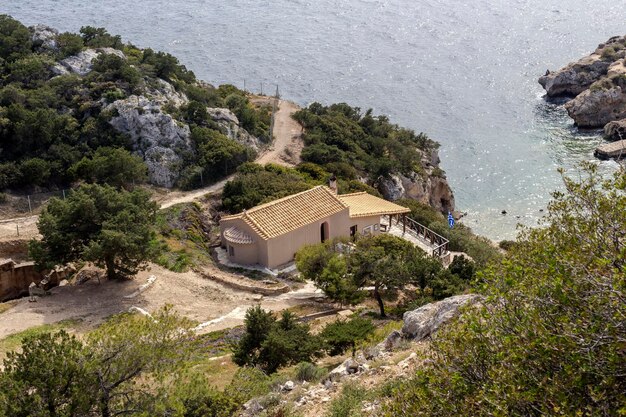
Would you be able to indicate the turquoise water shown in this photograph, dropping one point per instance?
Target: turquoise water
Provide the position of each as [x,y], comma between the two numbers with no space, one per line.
[462,71]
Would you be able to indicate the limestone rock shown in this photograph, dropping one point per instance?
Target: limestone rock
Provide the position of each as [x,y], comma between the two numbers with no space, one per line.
[81,63]
[164,93]
[391,187]
[615,130]
[288,386]
[229,125]
[391,341]
[421,323]
[44,37]
[156,136]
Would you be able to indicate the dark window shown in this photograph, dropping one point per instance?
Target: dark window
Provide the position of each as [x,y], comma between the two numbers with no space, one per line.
[231,250]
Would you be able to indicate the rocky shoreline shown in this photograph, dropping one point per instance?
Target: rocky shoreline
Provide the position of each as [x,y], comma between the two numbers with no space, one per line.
[596,85]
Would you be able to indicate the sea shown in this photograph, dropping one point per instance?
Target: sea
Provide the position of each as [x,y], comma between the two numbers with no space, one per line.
[463,71]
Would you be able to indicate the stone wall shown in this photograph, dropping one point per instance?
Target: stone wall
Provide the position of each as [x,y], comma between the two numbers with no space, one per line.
[15,278]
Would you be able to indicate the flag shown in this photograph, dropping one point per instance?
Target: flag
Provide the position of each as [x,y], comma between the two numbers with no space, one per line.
[450,220]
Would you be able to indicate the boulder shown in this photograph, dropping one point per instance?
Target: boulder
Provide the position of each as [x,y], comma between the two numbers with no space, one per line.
[287,386]
[615,130]
[426,320]
[598,106]
[44,38]
[155,135]
[391,341]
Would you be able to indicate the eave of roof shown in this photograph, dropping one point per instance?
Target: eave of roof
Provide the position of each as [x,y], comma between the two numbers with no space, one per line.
[363,204]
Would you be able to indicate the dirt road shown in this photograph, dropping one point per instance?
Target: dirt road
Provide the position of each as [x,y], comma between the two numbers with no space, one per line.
[211,304]
[287,144]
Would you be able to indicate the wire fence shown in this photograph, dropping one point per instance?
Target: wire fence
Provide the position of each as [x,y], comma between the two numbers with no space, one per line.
[18,213]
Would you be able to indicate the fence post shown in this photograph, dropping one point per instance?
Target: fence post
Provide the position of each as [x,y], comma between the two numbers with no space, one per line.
[30,208]
[64,194]
[17,225]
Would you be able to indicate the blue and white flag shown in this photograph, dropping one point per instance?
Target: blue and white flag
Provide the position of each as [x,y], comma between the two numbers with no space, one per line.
[450,220]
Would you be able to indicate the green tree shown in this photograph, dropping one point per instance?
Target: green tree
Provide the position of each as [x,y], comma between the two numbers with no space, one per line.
[382,262]
[322,264]
[342,335]
[550,338]
[218,154]
[271,344]
[15,39]
[258,323]
[113,166]
[113,229]
[70,44]
[131,354]
[48,377]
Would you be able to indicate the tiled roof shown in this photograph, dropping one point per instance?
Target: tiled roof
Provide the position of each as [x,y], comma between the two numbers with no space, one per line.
[364,204]
[292,212]
[235,235]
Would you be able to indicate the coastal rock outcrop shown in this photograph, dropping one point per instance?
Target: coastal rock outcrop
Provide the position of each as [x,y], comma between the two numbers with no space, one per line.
[428,189]
[44,37]
[575,77]
[598,84]
[81,63]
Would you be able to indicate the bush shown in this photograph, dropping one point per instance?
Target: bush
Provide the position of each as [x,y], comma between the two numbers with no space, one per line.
[248,383]
[342,335]
[112,166]
[306,371]
[348,404]
[272,344]
[70,44]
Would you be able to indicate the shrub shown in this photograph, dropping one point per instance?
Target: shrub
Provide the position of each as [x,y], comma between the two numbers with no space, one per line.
[272,344]
[348,404]
[306,371]
[342,335]
[70,44]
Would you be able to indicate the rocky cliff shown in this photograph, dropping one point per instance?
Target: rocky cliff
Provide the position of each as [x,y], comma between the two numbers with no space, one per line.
[597,85]
[429,187]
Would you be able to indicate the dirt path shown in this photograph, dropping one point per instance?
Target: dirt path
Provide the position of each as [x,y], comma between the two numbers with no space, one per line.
[203,300]
[285,151]
[287,144]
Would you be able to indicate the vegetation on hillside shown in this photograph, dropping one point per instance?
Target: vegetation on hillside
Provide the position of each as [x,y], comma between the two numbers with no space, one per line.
[550,338]
[256,184]
[49,123]
[350,144]
[384,262]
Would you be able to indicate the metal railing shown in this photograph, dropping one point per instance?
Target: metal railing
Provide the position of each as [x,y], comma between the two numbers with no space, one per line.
[419,231]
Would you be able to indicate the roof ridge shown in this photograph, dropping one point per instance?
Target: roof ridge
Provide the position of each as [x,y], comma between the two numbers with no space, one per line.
[274,202]
[352,194]
[256,226]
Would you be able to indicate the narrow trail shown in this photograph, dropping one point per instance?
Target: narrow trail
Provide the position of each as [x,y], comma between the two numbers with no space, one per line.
[287,145]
